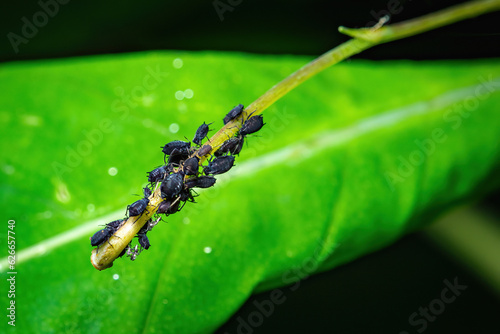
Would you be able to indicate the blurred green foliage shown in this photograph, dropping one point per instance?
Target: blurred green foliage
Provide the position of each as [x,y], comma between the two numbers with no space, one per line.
[316,188]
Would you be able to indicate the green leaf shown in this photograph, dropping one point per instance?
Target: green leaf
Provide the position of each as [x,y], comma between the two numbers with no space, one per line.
[346,164]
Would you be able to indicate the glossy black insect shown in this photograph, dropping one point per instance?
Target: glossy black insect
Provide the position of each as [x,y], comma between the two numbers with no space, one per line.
[141,235]
[251,125]
[201,182]
[219,165]
[101,236]
[201,133]
[172,185]
[186,195]
[235,112]
[176,146]
[164,206]
[190,166]
[204,150]
[157,174]
[176,157]
[232,146]
[138,207]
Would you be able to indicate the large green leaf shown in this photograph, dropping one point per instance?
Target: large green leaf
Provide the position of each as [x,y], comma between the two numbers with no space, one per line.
[346,164]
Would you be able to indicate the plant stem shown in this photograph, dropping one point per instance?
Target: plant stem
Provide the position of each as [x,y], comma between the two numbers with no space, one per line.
[363,39]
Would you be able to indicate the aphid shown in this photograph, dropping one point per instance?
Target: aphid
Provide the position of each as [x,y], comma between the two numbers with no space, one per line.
[235,112]
[101,236]
[141,235]
[138,207]
[157,174]
[251,125]
[186,195]
[164,206]
[204,150]
[115,224]
[191,166]
[176,146]
[232,146]
[201,182]
[177,156]
[171,186]
[144,241]
[201,133]
[219,165]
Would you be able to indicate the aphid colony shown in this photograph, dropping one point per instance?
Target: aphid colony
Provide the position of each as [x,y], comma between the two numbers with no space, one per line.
[179,175]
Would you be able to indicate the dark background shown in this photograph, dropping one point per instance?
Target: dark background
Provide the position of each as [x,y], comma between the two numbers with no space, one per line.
[375,294]
[294,27]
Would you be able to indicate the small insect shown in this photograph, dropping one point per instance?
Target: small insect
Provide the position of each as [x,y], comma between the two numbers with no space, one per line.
[235,112]
[232,146]
[186,195]
[157,174]
[176,146]
[219,165]
[141,235]
[251,125]
[164,206]
[201,182]
[201,133]
[171,186]
[190,166]
[101,236]
[204,150]
[138,207]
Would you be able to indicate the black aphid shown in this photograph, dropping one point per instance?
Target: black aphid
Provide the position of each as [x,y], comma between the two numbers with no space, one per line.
[204,150]
[138,207]
[157,174]
[171,186]
[141,235]
[219,165]
[201,133]
[200,182]
[232,146]
[190,166]
[176,157]
[235,112]
[186,195]
[251,125]
[101,236]
[176,146]
[164,206]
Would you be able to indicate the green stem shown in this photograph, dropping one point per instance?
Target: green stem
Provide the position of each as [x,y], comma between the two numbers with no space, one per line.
[364,38]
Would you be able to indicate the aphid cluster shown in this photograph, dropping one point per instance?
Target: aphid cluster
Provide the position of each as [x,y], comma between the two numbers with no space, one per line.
[179,175]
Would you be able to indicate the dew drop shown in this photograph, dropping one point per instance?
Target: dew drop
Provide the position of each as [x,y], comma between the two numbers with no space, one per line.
[188,93]
[90,207]
[174,128]
[113,171]
[177,63]
[116,277]
[207,250]
[179,95]
[186,220]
